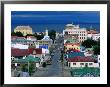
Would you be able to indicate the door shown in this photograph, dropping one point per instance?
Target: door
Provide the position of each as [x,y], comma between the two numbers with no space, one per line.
[86,65]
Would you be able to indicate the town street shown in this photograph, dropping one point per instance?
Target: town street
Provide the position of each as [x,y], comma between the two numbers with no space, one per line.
[56,69]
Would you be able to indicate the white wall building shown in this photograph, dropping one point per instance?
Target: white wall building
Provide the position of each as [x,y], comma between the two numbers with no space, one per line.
[82,62]
[76,30]
[96,36]
[20,46]
[31,38]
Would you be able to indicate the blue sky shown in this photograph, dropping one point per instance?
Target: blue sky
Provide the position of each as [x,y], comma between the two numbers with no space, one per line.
[54,17]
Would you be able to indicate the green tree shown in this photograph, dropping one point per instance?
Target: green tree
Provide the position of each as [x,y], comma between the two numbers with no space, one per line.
[96,49]
[39,37]
[52,34]
[44,64]
[19,34]
[24,68]
[89,43]
[13,33]
[31,68]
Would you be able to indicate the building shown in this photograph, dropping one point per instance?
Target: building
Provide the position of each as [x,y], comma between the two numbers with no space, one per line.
[32,38]
[46,41]
[26,60]
[93,34]
[82,62]
[74,54]
[72,46]
[77,31]
[85,72]
[24,30]
[19,46]
[22,40]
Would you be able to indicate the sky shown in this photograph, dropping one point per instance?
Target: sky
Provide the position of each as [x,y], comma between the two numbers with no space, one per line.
[54,17]
[40,20]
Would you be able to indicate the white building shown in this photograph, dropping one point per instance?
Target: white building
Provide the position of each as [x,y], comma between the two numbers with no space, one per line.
[19,46]
[24,30]
[96,36]
[32,38]
[76,30]
[93,35]
[81,62]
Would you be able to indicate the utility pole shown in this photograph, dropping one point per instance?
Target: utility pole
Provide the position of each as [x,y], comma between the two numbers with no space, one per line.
[28,66]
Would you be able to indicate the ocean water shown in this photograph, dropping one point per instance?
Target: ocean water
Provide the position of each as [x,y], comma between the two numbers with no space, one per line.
[57,27]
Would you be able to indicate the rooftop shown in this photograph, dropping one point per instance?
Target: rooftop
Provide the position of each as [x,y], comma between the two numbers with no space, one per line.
[24,52]
[28,59]
[74,54]
[80,59]
[84,71]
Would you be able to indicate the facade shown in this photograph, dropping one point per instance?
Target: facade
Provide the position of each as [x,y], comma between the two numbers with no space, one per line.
[32,38]
[82,62]
[26,60]
[19,46]
[24,30]
[76,30]
[46,41]
[72,46]
[92,34]
[22,40]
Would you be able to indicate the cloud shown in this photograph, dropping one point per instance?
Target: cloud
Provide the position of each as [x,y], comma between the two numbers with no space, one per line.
[42,16]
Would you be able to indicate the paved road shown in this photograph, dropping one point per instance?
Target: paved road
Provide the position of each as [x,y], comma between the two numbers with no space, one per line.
[55,69]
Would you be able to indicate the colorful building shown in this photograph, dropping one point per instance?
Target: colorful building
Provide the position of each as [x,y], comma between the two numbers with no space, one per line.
[82,62]
[72,46]
[76,30]
[24,30]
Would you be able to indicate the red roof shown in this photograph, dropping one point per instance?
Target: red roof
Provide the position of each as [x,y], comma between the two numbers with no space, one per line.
[31,37]
[81,59]
[92,32]
[19,52]
[25,52]
[35,51]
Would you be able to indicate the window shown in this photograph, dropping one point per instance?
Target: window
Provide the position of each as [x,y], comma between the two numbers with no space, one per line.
[74,63]
[90,64]
[81,63]
[18,64]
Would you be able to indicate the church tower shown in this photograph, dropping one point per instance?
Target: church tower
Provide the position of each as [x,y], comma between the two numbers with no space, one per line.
[46,32]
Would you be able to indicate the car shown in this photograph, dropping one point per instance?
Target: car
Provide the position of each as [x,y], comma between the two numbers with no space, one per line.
[52,54]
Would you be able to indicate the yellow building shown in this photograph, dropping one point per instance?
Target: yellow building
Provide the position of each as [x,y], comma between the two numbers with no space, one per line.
[72,46]
[24,30]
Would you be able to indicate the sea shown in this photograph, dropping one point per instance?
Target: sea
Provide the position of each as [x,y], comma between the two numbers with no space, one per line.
[57,27]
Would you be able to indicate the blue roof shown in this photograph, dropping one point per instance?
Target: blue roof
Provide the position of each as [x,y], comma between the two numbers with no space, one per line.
[74,54]
[44,46]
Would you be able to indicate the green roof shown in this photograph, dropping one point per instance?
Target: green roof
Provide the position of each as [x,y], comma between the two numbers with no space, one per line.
[28,59]
[74,54]
[71,40]
[21,40]
[81,72]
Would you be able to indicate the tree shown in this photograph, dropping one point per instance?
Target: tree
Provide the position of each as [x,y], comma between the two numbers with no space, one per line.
[31,68]
[96,49]
[44,64]
[89,43]
[52,34]
[24,68]
[39,37]
[19,34]
[13,34]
